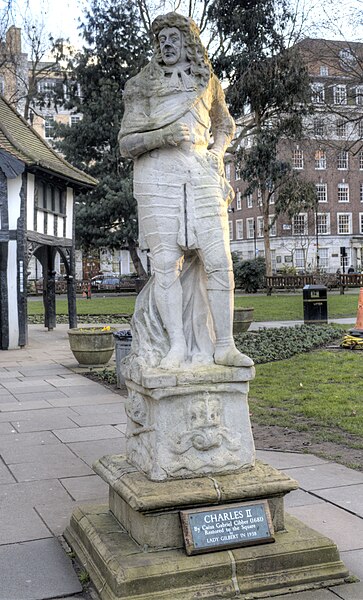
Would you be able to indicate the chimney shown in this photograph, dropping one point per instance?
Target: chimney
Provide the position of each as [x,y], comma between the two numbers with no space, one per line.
[13,40]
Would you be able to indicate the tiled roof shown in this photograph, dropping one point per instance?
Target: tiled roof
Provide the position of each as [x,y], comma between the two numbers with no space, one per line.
[19,139]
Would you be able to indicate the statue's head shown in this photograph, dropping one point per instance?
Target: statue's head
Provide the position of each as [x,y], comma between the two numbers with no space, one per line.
[177,39]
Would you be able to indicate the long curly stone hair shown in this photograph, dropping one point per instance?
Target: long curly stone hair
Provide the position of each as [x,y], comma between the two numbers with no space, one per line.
[200,64]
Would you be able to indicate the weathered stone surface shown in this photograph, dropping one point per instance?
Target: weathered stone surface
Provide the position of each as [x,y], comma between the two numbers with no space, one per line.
[299,559]
[148,510]
[198,426]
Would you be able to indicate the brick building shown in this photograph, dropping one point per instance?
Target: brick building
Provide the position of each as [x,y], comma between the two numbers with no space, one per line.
[330,154]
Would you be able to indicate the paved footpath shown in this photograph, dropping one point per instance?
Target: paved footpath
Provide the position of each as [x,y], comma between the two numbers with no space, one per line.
[54,423]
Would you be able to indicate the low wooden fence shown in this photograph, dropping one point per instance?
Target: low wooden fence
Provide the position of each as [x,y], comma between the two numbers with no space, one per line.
[331,281]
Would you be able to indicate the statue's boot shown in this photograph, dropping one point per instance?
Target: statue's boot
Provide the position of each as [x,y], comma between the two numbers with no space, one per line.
[225,352]
[170,306]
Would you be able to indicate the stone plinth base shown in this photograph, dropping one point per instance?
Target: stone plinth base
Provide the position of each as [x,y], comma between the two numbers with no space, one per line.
[149,510]
[133,549]
[189,422]
[300,559]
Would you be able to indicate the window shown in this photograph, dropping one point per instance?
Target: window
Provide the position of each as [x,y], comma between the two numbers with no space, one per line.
[272,225]
[324,71]
[237,173]
[74,120]
[361,192]
[250,228]
[2,85]
[360,128]
[342,162]
[323,223]
[322,192]
[360,222]
[249,201]
[320,159]
[46,86]
[341,128]
[343,192]
[299,224]
[324,259]
[259,197]
[49,127]
[297,159]
[230,225]
[361,160]
[347,59]
[228,171]
[340,94]
[344,223]
[272,198]
[50,197]
[299,258]
[259,227]
[238,200]
[239,229]
[319,127]
[317,93]
[359,95]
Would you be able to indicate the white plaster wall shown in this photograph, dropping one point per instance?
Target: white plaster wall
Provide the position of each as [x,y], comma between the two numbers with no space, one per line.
[13,296]
[14,187]
[40,221]
[30,202]
[50,226]
[69,213]
[60,226]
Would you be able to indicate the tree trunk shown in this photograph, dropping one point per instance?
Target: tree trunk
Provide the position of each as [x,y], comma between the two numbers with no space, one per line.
[136,260]
[266,232]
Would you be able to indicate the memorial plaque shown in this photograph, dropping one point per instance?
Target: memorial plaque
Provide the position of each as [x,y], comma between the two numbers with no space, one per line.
[228,526]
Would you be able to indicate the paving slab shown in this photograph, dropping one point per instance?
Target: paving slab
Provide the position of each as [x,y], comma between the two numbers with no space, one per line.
[20,526]
[81,434]
[5,474]
[344,529]
[67,381]
[37,414]
[92,450]
[41,423]
[6,428]
[86,488]
[24,440]
[354,561]
[323,476]
[48,469]
[349,497]
[41,453]
[36,570]
[57,515]
[110,418]
[301,498]
[20,406]
[93,389]
[30,493]
[118,407]
[87,401]
[288,460]
[352,591]
[48,396]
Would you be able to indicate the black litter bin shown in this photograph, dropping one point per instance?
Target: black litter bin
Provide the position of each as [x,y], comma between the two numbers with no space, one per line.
[315,304]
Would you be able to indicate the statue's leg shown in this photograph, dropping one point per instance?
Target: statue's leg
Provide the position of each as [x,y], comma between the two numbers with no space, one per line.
[169,300]
[220,288]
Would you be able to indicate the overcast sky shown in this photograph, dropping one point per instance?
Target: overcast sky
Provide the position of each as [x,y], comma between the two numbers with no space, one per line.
[60,16]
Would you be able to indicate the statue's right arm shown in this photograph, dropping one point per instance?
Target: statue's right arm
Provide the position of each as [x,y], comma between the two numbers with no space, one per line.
[134,145]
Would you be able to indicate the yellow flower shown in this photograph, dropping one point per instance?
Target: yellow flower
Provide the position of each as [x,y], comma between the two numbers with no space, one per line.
[107,328]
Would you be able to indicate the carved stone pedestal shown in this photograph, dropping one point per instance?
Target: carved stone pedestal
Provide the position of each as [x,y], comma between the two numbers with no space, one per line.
[188,423]
[134,549]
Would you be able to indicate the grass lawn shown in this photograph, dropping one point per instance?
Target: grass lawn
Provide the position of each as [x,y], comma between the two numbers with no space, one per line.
[267,308]
[320,390]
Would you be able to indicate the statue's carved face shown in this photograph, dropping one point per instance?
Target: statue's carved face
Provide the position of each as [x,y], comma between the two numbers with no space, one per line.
[171,46]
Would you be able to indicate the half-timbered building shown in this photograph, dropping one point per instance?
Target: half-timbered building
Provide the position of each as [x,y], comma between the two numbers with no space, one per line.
[37,193]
